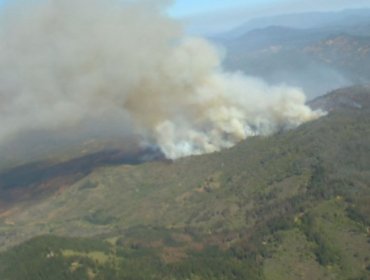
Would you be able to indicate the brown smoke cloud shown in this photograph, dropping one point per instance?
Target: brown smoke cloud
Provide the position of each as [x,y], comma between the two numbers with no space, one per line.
[67,62]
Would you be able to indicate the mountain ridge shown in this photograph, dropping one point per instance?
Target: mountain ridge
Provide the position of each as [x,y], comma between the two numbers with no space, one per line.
[317,56]
[307,20]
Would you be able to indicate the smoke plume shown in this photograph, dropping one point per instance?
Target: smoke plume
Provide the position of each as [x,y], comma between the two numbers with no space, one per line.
[65,63]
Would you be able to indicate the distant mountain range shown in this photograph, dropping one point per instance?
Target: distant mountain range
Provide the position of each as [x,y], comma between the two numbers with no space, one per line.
[355,20]
[315,51]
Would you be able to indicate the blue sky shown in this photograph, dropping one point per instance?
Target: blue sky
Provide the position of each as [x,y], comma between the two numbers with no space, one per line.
[184,8]
[193,7]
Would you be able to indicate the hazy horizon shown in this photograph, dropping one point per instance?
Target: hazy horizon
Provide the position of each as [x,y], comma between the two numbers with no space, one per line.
[220,17]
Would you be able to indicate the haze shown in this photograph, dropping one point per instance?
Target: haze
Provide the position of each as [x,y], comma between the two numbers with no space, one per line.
[211,17]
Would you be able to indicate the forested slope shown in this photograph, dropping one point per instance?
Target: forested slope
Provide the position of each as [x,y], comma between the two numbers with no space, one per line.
[292,206]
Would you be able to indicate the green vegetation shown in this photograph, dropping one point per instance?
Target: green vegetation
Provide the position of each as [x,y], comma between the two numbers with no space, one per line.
[46,258]
[292,206]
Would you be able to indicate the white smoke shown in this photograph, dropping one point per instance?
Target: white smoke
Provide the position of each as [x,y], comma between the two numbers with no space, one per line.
[63,62]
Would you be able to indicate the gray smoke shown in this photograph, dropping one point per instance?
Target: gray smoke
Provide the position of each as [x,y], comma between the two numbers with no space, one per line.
[65,63]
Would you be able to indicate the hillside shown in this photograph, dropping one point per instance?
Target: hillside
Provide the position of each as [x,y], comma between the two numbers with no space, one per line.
[316,55]
[349,54]
[292,206]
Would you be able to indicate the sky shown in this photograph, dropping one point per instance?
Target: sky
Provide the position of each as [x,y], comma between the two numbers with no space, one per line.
[193,7]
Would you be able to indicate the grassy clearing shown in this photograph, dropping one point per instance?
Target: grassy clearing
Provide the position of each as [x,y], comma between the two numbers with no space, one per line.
[99,257]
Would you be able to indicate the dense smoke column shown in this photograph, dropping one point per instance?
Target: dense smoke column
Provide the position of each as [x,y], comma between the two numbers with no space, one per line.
[68,63]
